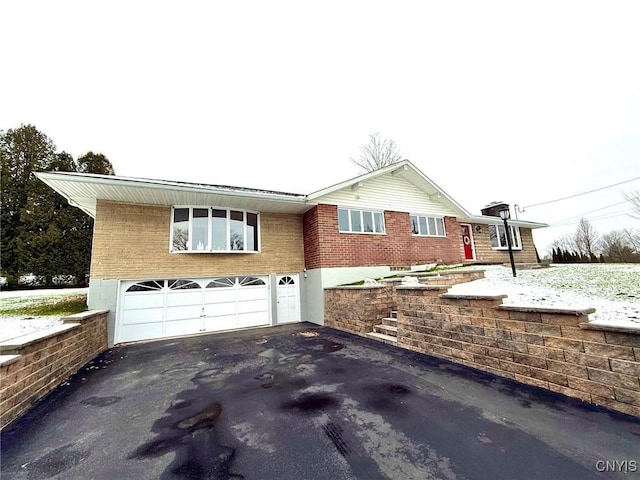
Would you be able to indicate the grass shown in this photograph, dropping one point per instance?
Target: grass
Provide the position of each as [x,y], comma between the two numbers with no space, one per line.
[48,306]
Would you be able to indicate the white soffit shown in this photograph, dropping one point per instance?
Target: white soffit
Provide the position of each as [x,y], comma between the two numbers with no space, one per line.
[83,191]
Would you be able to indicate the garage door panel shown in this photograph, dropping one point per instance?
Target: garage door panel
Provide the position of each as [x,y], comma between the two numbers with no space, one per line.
[176,299]
[182,327]
[253,306]
[252,293]
[151,315]
[253,319]
[143,300]
[143,331]
[220,295]
[184,312]
[225,322]
[219,309]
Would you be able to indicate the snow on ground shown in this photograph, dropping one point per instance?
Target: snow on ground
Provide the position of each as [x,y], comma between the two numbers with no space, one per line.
[12,326]
[612,289]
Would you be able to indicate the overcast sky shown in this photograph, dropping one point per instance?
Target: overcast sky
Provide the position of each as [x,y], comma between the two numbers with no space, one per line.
[523,103]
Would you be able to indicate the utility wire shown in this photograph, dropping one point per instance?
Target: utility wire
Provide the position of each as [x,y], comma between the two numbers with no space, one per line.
[597,218]
[578,194]
[596,210]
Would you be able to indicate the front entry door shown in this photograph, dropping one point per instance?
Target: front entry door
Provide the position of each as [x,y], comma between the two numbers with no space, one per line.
[288,298]
[467,242]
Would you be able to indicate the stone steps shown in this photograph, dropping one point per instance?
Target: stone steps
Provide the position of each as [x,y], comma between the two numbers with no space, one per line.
[387,331]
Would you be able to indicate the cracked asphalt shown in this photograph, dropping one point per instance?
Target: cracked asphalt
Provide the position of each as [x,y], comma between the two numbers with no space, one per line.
[306,402]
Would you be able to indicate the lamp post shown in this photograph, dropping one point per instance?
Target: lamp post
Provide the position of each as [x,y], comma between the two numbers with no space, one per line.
[504,214]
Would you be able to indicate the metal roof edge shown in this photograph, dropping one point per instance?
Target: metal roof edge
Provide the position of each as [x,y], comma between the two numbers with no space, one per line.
[489,220]
[172,185]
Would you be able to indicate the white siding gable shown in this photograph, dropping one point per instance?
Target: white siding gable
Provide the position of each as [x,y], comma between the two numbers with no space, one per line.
[387,192]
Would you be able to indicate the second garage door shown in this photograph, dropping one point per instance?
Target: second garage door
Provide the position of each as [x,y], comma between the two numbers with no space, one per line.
[170,307]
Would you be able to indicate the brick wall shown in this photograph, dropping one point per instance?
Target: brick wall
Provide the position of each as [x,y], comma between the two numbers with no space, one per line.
[33,369]
[548,348]
[132,241]
[485,253]
[325,247]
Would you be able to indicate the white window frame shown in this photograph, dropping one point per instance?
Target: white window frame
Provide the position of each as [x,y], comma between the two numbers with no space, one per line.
[362,232]
[427,217]
[209,246]
[516,239]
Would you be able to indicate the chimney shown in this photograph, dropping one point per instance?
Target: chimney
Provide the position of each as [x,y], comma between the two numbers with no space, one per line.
[494,209]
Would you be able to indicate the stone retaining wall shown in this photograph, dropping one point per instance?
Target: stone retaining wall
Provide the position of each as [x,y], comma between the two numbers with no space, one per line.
[33,365]
[556,349]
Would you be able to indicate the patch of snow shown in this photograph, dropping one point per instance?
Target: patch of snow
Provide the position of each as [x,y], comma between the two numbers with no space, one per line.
[19,325]
[12,327]
[612,289]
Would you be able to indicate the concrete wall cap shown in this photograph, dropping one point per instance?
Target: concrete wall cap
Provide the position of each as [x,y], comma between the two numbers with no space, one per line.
[611,328]
[472,297]
[78,317]
[422,287]
[15,344]
[558,310]
[8,359]
[355,287]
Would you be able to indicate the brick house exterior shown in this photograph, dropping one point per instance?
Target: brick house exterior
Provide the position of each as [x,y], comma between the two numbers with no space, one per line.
[263,257]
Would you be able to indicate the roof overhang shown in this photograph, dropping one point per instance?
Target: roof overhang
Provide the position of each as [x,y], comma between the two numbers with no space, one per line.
[489,220]
[83,190]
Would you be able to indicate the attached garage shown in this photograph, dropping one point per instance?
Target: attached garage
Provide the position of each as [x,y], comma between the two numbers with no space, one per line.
[160,308]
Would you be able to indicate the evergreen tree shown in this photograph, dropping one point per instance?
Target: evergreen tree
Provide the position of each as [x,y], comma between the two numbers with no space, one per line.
[22,151]
[41,233]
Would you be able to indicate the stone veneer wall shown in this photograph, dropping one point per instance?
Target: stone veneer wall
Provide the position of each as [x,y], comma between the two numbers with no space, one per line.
[555,349]
[358,308]
[33,365]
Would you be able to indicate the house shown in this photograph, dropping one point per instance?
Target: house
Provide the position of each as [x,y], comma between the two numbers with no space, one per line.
[175,258]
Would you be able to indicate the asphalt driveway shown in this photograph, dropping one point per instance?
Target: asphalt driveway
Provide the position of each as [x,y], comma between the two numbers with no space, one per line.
[304,402]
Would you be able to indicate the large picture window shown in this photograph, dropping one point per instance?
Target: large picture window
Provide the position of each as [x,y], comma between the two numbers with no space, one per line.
[210,229]
[428,226]
[360,221]
[499,237]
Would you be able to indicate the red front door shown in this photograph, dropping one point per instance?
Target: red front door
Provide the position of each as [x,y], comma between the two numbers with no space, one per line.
[467,242]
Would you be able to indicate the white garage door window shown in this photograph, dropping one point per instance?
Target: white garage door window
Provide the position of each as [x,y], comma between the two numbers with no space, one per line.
[170,307]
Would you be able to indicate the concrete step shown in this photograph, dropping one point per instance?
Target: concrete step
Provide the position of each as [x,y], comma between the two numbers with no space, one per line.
[392,322]
[381,337]
[386,329]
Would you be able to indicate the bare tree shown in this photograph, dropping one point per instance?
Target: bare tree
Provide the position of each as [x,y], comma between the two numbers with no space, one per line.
[586,238]
[616,247]
[633,236]
[377,154]
[634,199]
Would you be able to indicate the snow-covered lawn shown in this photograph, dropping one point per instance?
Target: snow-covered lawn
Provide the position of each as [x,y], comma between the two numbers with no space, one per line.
[612,289]
[12,326]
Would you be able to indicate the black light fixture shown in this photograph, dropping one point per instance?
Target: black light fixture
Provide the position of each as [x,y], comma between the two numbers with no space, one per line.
[504,215]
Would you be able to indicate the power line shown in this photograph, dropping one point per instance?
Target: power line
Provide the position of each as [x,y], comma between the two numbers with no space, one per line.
[578,194]
[597,218]
[596,210]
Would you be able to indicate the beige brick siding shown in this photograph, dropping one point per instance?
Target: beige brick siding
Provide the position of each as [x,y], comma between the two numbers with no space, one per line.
[132,241]
[485,253]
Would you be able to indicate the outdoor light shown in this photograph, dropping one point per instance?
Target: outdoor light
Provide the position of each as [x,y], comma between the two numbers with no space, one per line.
[504,214]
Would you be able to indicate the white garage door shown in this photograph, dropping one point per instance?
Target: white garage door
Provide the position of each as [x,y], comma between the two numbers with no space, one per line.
[170,307]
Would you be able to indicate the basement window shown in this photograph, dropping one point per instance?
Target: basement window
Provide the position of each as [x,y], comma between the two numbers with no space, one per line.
[213,230]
